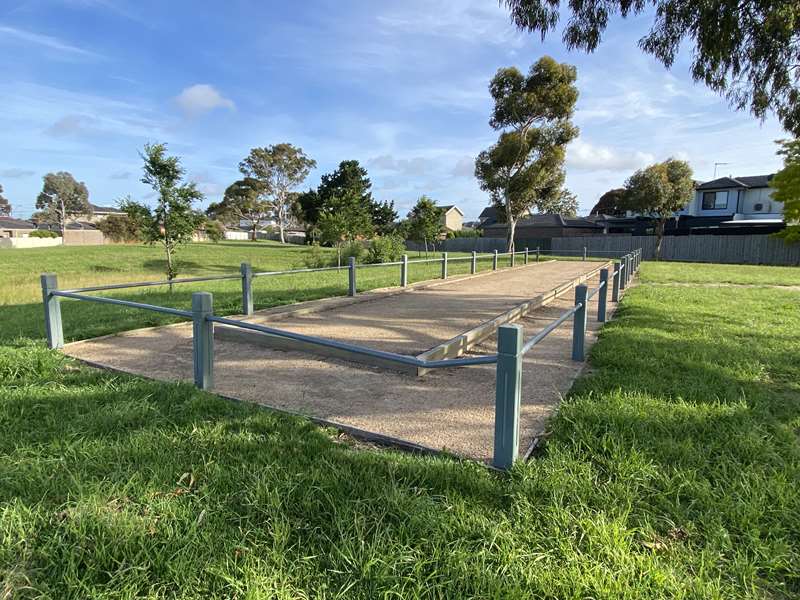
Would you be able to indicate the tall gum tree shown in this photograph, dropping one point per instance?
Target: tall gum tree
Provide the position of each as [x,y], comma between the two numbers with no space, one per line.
[62,197]
[532,112]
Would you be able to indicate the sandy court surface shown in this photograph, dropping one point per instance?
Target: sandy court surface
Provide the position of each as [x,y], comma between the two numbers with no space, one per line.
[450,409]
[413,322]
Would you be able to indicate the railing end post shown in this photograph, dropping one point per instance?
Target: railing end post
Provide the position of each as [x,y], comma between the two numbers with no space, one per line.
[351,276]
[54,330]
[247,288]
[579,324]
[507,395]
[203,339]
[444,265]
[404,271]
[603,297]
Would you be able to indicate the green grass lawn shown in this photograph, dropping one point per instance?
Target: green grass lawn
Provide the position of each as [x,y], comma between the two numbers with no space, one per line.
[671,471]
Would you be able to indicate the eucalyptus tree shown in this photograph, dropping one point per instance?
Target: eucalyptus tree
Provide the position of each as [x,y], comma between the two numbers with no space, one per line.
[746,51]
[62,197]
[280,169]
[5,205]
[532,112]
[244,200]
[658,191]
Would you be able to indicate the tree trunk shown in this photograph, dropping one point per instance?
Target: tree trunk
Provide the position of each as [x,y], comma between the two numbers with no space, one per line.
[254,232]
[62,220]
[512,227]
[659,236]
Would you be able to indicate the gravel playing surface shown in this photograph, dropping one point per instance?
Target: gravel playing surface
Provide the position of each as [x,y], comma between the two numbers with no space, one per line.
[450,409]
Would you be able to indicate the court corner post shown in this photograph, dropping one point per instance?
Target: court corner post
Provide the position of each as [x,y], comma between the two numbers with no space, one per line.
[52,311]
[203,339]
[507,396]
[603,296]
[474,264]
[579,324]
[526,255]
[615,283]
[494,261]
[351,276]
[404,271]
[247,288]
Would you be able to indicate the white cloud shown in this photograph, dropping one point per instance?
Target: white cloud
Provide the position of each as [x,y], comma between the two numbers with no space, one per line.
[585,156]
[465,167]
[16,173]
[45,41]
[201,98]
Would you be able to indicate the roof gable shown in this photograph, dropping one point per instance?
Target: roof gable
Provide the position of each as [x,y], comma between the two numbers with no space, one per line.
[748,181]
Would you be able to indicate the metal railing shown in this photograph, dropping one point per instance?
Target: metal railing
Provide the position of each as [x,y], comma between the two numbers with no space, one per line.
[511,347]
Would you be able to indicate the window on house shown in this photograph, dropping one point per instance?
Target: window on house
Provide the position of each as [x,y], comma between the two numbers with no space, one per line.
[715,200]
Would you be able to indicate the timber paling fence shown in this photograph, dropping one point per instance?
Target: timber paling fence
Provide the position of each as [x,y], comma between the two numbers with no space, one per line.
[511,346]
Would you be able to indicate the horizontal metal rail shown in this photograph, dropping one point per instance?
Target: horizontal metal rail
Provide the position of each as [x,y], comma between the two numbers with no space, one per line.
[119,286]
[327,343]
[100,299]
[549,329]
[592,292]
[291,271]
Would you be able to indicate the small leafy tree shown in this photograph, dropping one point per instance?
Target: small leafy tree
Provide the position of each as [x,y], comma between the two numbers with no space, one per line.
[279,169]
[308,209]
[120,229]
[5,205]
[172,222]
[524,169]
[62,198]
[344,218]
[425,222]
[787,189]
[215,231]
[244,200]
[383,217]
[611,203]
[660,190]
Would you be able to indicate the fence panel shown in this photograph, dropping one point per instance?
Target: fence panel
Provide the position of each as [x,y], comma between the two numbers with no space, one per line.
[736,249]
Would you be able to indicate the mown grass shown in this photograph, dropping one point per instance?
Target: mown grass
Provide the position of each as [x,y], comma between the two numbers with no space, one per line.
[671,472]
[676,272]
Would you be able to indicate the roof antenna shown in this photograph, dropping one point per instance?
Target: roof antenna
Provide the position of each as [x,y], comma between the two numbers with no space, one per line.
[718,164]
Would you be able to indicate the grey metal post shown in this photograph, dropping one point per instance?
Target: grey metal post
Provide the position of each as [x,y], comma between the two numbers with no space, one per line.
[513,257]
[629,269]
[584,253]
[579,324]
[494,261]
[622,273]
[507,395]
[537,253]
[526,255]
[444,265]
[474,264]
[603,296]
[404,271]
[203,340]
[616,278]
[52,311]
[247,289]
[351,271]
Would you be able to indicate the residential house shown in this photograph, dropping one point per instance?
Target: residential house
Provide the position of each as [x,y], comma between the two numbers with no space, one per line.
[546,226]
[99,213]
[489,216]
[15,228]
[452,217]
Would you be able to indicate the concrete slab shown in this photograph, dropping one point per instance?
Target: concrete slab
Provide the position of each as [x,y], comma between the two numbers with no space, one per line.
[451,409]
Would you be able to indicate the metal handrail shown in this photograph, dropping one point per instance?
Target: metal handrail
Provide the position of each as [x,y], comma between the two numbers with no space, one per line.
[118,286]
[328,343]
[291,271]
[592,292]
[162,309]
[547,330]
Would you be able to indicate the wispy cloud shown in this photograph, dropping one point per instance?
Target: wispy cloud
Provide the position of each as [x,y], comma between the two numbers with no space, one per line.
[45,41]
[582,155]
[16,173]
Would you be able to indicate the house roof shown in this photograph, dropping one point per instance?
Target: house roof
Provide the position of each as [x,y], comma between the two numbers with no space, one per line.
[490,212]
[748,181]
[448,207]
[11,223]
[105,209]
[77,225]
[551,220]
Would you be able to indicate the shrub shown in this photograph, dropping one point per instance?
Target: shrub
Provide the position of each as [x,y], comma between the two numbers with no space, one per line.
[119,228]
[466,232]
[388,248]
[215,231]
[354,249]
[315,258]
[43,233]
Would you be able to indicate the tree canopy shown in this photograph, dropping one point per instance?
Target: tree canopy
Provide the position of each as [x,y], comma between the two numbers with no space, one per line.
[62,197]
[5,205]
[524,169]
[425,221]
[244,200]
[611,203]
[746,51]
[786,183]
[659,190]
[173,221]
[279,169]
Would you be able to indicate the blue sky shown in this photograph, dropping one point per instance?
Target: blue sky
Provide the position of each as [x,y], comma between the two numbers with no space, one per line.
[400,86]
